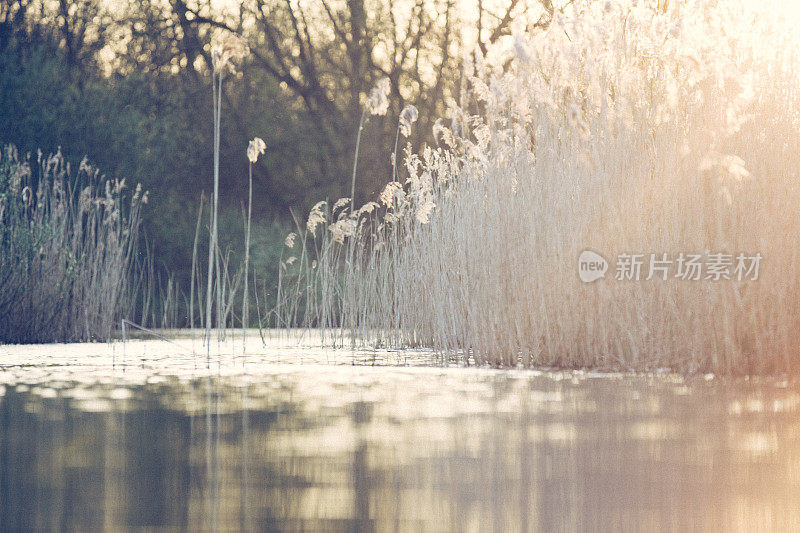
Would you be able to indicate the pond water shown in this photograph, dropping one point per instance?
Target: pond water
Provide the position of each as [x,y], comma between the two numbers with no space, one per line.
[293,437]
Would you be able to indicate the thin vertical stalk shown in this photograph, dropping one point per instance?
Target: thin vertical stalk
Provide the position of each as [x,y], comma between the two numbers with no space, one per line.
[246,295]
[194,263]
[220,291]
[355,159]
[394,158]
[212,245]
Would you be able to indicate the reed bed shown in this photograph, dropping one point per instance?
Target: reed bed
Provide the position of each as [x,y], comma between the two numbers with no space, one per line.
[624,127]
[67,247]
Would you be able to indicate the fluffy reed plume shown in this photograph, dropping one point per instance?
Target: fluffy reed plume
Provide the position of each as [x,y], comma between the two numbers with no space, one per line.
[377,104]
[620,128]
[408,116]
[229,49]
[255,148]
[66,250]
[225,52]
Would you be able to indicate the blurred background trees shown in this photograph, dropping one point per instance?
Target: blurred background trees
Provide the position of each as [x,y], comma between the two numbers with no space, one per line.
[127,83]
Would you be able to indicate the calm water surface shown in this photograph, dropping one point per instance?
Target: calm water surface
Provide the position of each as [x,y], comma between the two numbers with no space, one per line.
[300,438]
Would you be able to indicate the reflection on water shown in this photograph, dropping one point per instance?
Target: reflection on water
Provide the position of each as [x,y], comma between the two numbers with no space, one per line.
[264,442]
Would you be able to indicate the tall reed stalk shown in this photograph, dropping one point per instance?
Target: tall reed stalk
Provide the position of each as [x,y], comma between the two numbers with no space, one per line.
[195,273]
[376,104]
[212,237]
[254,149]
[229,49]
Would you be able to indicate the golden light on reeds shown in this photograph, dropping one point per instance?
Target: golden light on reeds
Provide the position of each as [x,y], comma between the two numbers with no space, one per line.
[622,126]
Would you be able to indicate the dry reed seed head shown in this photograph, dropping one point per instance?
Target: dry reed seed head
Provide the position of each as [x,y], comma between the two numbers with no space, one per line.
[289,241]
[22,173]
[378,100]
[112,217]
[481,90]
[256,147]
[368,208]
[340,205]
[424,210]
[84,166]
[443,135]
[54,163]
[230,48]
[341,229]
[27,196]
[483,135]
[85,200]
[316,217]
[388,193]
[727,165]
[408,116]
[291,260]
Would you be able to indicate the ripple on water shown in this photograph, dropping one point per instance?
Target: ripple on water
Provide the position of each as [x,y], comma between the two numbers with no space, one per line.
[295,436]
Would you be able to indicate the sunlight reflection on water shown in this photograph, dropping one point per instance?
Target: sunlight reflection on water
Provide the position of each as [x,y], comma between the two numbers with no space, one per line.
[297,437]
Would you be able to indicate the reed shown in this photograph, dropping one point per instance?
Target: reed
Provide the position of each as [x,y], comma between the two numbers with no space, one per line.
[254,149]
[376,104]
[229,49]
[194,273]
[620,128]
[67,247]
